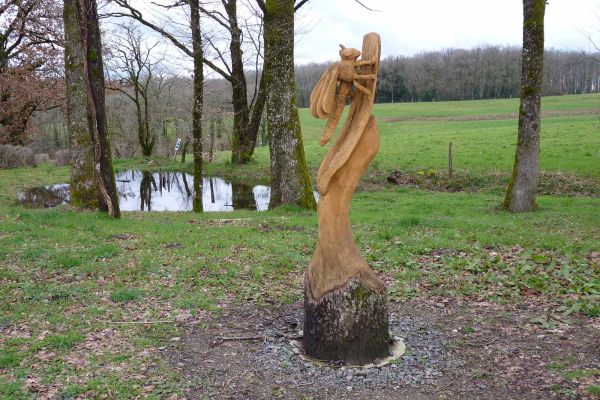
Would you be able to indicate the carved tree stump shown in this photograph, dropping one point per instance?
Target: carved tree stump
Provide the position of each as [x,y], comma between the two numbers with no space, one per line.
[345,303]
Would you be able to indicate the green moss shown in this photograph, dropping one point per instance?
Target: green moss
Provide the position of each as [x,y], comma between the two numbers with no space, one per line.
[535,18]
[279,20]
[360,293]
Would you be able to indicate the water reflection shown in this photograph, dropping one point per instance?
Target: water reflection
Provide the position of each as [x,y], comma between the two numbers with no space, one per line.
[173,191]
[165,191]
[45,196]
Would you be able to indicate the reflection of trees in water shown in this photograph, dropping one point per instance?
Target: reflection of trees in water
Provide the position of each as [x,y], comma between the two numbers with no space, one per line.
[242,196]
[172,191]
[262,195]
[48,196]
[186,185]
[146,190]
[212,190]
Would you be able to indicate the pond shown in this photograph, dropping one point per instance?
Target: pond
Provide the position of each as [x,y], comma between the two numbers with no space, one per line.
[163,191]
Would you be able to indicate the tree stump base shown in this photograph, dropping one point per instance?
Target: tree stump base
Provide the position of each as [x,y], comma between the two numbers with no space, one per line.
[348,324]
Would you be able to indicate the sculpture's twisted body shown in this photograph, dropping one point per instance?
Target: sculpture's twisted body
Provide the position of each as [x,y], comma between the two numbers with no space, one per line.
[345,302]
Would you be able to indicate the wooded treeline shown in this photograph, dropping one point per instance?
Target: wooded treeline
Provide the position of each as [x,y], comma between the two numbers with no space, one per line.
[489,72]
[482,73]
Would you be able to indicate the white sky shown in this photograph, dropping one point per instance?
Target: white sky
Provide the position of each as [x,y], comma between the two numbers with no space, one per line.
[412,26]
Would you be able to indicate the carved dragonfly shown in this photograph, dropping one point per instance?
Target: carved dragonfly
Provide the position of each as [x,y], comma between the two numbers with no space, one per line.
[327,99]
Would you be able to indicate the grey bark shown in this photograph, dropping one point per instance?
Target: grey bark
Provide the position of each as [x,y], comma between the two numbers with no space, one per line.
[81,151]
[87,16]
[198,102]
[290,179]
[521,192]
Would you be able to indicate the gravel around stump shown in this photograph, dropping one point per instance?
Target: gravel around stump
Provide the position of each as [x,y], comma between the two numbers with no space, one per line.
[454,350]
[425,358]
[247,354]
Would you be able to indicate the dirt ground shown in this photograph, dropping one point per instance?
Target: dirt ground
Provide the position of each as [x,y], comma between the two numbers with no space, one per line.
[490,351]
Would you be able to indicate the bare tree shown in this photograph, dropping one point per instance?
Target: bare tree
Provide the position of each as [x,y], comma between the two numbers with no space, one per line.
[93,66]
[247,112]
[192,7]
[229,64]
[134,68]
[198,101]
[521,192]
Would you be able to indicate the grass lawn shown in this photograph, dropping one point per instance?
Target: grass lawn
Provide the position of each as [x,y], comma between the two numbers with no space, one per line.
[76,287]
[415,136]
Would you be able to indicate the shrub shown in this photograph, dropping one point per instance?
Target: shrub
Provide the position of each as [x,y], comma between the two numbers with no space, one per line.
[15,157]
[61,157]
[42,158]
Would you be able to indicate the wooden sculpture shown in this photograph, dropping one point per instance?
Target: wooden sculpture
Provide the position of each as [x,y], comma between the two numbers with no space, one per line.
[345,302]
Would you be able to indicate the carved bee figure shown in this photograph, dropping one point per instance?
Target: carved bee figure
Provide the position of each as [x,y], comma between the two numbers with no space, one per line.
[328,99]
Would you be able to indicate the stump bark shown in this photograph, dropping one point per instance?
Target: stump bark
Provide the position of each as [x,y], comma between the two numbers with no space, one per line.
[348,324]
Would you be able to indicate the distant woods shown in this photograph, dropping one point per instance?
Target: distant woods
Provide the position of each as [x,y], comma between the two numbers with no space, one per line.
[489,72]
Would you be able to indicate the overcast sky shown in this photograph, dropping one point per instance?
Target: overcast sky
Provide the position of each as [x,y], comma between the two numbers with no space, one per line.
[412,26]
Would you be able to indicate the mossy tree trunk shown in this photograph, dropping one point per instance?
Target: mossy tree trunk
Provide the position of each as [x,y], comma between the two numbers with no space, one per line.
[246,116]
[290,178]
[81,152]
[198,102]
[184,149]
[108,197]
[521,192]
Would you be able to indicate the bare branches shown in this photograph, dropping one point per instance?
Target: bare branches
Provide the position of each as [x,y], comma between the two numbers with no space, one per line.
[30,63]
[300,4]
[217,16]
[364,6]
[261,4]
[138,16]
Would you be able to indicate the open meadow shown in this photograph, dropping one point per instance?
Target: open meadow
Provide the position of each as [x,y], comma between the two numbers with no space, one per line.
[176,305]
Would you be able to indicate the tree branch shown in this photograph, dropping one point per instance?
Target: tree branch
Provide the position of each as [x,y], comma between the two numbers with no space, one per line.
[300,4]
[363,5]
[137,15]
[262,6]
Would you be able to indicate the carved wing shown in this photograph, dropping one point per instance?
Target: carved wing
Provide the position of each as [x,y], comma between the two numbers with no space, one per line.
[359,117]
[322,98]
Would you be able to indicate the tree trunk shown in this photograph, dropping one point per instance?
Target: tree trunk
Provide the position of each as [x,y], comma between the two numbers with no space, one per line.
[212,134]
[81,152]
[241,113]
[290,178]
[184,149]
[520,196]
[140,125]
[244,128]
[198,102]
[149,139]
[87,15]
[345,303]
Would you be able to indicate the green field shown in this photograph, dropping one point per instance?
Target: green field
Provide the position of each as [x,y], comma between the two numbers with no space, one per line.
[74,283]
[481,145]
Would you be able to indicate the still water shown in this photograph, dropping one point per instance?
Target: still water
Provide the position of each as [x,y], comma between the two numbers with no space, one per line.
[164,191]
